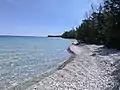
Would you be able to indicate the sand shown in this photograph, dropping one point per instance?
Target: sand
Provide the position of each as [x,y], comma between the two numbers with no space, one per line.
[91,68]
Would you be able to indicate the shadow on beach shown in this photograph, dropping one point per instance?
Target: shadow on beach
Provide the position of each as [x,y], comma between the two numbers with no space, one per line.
[103,51]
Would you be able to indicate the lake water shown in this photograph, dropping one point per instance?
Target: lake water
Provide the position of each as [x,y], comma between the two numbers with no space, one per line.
[22,58]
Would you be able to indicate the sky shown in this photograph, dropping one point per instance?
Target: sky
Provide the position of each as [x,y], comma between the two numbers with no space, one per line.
[41,17]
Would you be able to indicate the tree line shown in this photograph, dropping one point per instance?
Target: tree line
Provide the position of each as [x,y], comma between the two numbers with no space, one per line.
[102,26]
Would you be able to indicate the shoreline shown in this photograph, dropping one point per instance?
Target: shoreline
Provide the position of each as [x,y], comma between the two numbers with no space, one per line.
[24,85]
[90,69]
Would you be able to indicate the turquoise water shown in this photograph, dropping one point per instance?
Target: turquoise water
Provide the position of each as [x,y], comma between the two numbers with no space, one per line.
[27,57]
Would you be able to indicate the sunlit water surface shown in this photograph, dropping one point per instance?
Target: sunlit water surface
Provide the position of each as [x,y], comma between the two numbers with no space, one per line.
[22,58]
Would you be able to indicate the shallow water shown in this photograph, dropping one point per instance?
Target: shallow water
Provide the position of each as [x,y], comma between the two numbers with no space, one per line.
[22,58]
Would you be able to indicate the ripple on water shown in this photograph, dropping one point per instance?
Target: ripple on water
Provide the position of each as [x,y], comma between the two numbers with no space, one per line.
[23,58]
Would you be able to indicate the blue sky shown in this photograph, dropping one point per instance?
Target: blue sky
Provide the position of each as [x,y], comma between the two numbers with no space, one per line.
[41,17]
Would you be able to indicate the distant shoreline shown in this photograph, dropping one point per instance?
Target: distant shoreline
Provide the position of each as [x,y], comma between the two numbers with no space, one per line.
[54,36]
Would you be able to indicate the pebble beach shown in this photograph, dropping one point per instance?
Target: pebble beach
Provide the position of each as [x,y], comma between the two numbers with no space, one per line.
[91,67]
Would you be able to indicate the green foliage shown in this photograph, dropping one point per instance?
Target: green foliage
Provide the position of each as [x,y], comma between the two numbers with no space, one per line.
[69,34]
[112,10]
[101,27]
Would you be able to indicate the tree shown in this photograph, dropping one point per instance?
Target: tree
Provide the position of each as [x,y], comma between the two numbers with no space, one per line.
[102,26]
[112,22]
[69,34]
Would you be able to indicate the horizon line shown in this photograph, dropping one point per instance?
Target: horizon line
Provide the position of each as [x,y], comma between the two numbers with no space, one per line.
[21,36]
